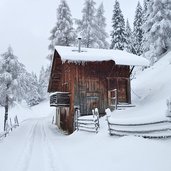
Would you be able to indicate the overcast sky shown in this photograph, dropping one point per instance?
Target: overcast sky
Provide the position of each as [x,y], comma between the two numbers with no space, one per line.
[26,25]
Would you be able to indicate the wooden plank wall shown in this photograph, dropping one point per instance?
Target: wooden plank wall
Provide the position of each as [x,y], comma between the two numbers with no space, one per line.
[88,84]
[91,83]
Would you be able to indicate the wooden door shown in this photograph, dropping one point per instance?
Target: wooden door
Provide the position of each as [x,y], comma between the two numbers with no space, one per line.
[93,101]
[121,84]
[122,90]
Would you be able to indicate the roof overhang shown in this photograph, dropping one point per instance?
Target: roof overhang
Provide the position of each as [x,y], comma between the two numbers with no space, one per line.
[71,54]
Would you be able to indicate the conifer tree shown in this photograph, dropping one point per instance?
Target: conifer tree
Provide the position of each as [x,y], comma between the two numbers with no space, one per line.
[138,32]
[63,33]
[43,83]
[129,38]
[10,72]
[101,34]
[145,7]
[87,25]
[157,29]
[118,26]
[52,39]
[32,95]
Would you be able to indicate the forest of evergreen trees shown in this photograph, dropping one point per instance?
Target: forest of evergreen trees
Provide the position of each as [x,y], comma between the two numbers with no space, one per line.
[17,84]
[149,36]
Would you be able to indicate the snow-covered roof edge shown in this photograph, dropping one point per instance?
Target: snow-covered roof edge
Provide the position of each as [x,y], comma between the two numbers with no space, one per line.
[71,54]
[58,92]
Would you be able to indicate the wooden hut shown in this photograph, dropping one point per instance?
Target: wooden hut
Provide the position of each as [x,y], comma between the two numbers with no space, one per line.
[86,78]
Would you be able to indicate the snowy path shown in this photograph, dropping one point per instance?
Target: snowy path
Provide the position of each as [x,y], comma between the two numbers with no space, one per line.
[36,145]
[29,148]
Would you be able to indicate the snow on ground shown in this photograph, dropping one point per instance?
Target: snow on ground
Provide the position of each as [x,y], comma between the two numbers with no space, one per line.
[150,90]
[39,145]
[24,112]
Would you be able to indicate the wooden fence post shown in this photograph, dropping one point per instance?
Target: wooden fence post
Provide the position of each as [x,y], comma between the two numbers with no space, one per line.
[16,121]
[11,124]
[52,119]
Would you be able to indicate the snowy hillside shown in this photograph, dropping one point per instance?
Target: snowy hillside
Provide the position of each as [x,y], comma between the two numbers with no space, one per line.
[150,90]
[153,86]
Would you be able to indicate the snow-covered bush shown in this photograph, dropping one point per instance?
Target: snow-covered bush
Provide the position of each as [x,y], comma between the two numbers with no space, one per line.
[168,113]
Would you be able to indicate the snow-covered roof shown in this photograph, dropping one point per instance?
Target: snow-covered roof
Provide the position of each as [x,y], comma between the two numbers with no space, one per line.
[58,92]
[90,54]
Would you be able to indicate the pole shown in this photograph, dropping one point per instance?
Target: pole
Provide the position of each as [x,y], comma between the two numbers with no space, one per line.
[6,112]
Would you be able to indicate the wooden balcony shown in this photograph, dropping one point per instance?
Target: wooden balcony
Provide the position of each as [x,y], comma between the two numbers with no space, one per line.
[60,99]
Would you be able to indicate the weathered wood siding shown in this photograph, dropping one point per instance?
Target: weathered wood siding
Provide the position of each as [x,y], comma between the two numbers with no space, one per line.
[88,84]
[56,73]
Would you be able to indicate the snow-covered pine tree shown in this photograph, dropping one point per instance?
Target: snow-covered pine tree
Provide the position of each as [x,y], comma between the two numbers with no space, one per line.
[157,28]
[137,31]
[52,39]
[32,95]
[145,7]
[63,33]
[86,27]
[43,82]
[10,72]
[118,25]
[101,34]
[28,84]
[128,37]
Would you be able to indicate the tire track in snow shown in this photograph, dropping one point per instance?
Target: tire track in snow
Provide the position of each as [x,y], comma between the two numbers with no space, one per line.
[54,152]
[39,152]
[25,157]
[49,154]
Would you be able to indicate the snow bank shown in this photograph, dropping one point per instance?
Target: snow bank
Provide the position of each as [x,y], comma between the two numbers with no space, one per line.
[24,112]
[150,91]
[37,145]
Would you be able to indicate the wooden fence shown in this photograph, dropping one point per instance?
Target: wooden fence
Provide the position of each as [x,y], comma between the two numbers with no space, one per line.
[88,123]
[9,127]
[155,130]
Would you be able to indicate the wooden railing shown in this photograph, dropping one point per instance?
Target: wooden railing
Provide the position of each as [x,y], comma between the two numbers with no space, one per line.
[156,130]
[53,100]
[9,128]
[88,123]
[60,99]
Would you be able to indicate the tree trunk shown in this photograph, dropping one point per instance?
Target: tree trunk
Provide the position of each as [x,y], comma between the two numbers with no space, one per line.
[6,112]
